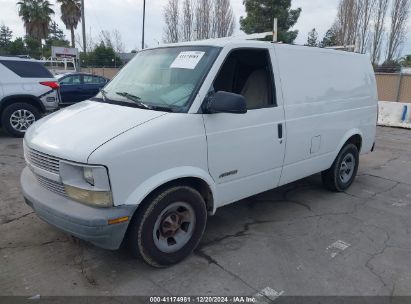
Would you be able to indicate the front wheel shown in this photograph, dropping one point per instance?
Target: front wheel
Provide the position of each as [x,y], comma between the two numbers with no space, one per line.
[18,117]
[169,228]
[343,171]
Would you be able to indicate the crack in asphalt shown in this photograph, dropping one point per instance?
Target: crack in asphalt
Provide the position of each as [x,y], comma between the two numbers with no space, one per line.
[13,156]
[16,219]
[34,245]
[356,206]
[83,270]
[200,253]
[246,227]
[380,252]
[384,178]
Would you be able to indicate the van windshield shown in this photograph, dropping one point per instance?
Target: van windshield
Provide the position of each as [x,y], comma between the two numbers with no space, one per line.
[164,79]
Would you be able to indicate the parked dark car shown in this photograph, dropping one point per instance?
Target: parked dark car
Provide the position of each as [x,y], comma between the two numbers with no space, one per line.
[76,87]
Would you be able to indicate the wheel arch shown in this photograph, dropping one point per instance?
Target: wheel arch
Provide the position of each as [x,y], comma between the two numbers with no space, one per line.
[21,98]
[354,136]
[195,178]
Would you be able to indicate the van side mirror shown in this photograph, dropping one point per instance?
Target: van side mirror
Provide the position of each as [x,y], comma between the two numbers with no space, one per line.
[225,102]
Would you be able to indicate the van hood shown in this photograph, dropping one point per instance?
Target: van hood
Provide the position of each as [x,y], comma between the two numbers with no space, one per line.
[75,132]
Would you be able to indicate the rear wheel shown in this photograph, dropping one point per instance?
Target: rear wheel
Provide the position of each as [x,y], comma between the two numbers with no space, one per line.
[169,228]
[343,171]
[18,117]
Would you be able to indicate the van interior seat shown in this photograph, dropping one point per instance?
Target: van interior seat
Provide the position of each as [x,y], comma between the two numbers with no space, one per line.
[255,90]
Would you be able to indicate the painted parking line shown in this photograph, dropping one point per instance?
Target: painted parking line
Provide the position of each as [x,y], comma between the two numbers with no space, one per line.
[267,295]
[337,247]
[400,203]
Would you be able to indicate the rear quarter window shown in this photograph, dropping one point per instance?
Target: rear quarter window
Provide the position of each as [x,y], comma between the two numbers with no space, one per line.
[27,69]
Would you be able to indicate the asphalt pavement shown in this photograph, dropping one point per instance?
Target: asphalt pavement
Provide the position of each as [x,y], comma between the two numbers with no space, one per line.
[297,240]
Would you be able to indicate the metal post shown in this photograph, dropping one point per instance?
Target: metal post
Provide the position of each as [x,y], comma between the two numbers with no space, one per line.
[399,86]
[144,23]
[275,30]
[83,25]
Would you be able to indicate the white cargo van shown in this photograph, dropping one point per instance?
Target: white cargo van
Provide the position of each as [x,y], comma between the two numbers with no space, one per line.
[185,129]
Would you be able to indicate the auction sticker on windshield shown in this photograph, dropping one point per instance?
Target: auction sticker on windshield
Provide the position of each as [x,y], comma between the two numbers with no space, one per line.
[187,60]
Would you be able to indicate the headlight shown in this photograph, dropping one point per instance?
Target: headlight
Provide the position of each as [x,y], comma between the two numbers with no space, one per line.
[86,184]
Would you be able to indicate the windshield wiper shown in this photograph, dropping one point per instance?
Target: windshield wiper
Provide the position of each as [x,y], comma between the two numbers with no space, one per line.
[162,108]
[137,101]
[104,93]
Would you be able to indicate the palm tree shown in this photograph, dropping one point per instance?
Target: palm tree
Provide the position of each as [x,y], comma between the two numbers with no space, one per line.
[70,15]
[36,17]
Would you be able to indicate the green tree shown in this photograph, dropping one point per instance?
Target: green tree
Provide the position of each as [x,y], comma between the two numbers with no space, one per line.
[406,61]
[36,15]
[56,38]
[312,39]
[33,47]
[70,15]
[17,47]
[55,32]
[101,56]
[5,39]
[261,13]
[330,39]
[389,66]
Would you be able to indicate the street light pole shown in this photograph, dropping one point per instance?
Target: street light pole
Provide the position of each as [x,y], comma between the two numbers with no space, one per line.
[83,25]
[144,23]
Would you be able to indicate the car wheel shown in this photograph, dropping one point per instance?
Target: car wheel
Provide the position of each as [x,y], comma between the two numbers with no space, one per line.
[169,228]
[18,117]
[343,171]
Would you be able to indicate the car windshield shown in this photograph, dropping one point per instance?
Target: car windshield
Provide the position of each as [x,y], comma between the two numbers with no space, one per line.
[161,79]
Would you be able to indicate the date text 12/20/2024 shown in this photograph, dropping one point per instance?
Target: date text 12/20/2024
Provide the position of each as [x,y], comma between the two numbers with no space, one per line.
[204,299]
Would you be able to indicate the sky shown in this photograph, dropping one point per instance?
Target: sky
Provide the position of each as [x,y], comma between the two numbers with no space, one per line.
[126,16]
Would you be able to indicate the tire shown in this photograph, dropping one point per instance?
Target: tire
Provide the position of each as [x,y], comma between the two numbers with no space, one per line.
[169,227]
[336,178]
[9,119]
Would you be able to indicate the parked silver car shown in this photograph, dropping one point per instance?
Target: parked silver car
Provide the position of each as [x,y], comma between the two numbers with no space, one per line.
[27,90]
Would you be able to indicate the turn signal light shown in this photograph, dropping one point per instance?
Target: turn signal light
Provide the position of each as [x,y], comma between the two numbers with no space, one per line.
[118,220]
[54,85]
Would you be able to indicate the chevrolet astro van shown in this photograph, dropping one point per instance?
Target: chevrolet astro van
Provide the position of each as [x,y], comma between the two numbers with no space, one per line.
[187,128]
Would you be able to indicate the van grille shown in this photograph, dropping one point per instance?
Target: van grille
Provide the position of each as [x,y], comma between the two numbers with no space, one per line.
[42,160]
[52,186]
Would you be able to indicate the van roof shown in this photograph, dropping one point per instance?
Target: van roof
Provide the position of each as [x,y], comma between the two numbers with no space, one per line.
[232,41]
[16,58]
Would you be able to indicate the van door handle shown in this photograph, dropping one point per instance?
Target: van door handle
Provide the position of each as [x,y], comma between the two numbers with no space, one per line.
[280,131]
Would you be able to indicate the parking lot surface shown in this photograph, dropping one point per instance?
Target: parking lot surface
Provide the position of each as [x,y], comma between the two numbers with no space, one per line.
[296,240]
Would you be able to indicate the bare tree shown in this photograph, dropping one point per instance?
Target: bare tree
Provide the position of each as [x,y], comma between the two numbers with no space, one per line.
[203,26]
[347,25]
[187,24]
[198,19]
[223,19]
[367,9]
[91,44]
[105,36]
[378,20]
[399,16]
[118,42]
[171,17]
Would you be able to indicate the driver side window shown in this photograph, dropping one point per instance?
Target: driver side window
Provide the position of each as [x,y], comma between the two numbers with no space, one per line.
[71,80]
[248,72]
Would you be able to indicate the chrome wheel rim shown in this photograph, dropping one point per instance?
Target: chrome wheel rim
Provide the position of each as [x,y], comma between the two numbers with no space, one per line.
[174,227]
[21,120]
[347,168]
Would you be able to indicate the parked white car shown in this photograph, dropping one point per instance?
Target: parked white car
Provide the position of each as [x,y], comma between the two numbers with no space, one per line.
[27,91]
[185,129]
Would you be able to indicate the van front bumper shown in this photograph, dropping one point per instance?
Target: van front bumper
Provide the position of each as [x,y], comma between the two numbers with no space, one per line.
[82,221]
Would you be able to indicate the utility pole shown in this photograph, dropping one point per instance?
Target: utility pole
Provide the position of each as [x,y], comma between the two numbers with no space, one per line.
[144,23]
[275,30]
[83,25]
